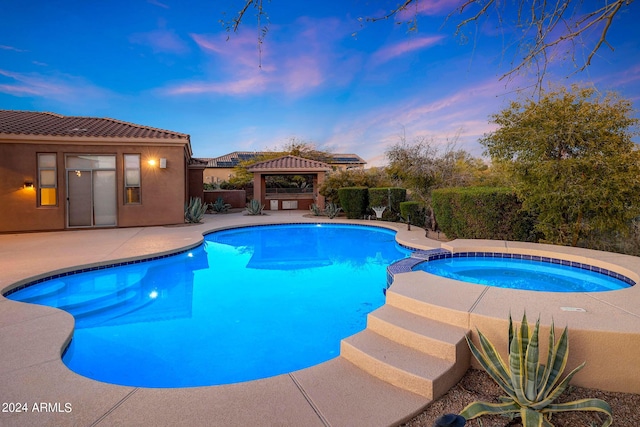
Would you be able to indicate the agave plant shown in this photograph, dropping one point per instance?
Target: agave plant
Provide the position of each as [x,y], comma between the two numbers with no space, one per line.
[531,387]
[315,210]
[332,210]
[194,211]
[220,206]
[254,207]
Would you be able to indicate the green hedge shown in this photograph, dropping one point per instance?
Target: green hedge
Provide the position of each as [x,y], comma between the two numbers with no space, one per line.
[391,197]
[354,201]
[415,211]
[480,213]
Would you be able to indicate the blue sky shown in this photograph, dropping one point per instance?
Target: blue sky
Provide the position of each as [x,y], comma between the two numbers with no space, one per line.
[324,77]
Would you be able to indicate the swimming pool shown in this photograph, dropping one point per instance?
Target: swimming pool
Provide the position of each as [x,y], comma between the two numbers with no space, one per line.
[249,303]
[523,272]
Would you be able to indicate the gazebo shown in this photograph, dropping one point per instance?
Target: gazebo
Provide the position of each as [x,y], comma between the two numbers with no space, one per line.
[288,198]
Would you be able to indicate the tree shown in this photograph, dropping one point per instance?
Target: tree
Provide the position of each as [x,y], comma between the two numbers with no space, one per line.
[544,28]
[370,178]
[573,159]
[421,167]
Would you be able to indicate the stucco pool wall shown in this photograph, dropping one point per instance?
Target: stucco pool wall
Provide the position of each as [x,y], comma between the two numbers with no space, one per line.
[604,327]
[606,335]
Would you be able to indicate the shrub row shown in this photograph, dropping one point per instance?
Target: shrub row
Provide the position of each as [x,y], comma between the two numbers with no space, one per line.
[481,213]
[355,200]
[414,211]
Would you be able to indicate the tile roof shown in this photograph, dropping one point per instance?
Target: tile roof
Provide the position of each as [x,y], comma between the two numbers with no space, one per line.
[233,159]
[289,162]
[347,158]
[51,124]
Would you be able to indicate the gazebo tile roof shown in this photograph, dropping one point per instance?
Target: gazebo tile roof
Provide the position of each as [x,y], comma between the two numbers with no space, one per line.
[232,159]
[289,163]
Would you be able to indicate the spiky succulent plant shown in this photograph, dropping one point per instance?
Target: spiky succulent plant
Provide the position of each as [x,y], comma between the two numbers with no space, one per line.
[530,386]
[254,207]
[194,211]
[332,210]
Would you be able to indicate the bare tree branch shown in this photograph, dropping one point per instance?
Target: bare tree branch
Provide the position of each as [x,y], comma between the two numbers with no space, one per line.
[261,15]
[392,12]
[544,26]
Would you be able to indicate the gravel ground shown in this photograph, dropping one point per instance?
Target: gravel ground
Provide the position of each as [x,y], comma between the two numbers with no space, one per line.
[477,385]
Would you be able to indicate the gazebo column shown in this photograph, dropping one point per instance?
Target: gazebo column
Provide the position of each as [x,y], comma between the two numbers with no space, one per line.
[259,188]
[318,179]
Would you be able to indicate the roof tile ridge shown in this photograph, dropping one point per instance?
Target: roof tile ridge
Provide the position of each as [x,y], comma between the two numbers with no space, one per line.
[50,113]
[135,125]
[32,112]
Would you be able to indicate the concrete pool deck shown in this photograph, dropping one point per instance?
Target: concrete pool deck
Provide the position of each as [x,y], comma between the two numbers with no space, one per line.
[604,331]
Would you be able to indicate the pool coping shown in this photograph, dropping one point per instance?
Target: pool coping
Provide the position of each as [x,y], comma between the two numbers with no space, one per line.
[424,256]
[332,393]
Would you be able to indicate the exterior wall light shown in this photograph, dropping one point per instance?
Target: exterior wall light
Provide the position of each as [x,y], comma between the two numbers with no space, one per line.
[28,184]
[151,162]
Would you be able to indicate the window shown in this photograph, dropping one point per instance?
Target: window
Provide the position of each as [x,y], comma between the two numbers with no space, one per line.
[47,179]
[131,178]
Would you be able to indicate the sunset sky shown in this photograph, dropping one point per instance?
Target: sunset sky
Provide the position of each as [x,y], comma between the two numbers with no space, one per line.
[324,76]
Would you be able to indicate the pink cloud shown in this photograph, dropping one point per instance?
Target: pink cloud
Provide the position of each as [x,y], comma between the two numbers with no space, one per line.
[31,85]
[208,43]
[240,49]
[429,8]
[237,87]
[15,49]
[626,76]
[463,113]
[63,88]
[157,3]
[303,63]
[165,41]
[387,53]
[18,90]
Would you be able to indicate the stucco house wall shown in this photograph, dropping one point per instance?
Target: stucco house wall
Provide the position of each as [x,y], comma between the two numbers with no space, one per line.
[163,187]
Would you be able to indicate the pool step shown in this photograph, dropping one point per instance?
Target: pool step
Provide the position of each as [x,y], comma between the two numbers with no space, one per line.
[39,294]
[412,352]
[432,300]
[103,313]
[419,333]
[399,365]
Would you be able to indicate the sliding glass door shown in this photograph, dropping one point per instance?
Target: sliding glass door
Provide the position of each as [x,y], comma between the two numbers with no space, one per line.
[91,191]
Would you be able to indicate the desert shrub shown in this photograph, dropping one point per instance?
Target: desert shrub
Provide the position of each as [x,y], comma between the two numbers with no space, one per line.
[391,197]
[354,201]
[374,177]
[415,211]
[481,213]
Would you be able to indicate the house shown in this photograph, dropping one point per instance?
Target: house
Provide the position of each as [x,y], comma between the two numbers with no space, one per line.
[220,169]
[61,172]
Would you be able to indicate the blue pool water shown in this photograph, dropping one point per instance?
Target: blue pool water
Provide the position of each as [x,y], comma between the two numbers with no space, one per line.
[249,303]
[521,274]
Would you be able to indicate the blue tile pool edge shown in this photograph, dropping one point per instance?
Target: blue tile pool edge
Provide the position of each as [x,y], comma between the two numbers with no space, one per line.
[73,270]
[417,257]
[30,282]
